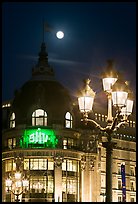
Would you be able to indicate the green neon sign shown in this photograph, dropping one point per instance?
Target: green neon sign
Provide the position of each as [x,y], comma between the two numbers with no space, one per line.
[38,138]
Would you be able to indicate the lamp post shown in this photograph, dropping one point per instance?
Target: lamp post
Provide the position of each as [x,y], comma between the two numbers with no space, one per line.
[117,93]
[17,183]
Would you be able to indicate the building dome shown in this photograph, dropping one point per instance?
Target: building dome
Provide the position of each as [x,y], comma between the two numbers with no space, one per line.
[42,91]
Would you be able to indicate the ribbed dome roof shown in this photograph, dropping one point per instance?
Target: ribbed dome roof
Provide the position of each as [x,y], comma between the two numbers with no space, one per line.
[43,92]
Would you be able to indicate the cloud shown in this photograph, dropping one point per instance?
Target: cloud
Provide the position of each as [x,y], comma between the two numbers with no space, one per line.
[67,62]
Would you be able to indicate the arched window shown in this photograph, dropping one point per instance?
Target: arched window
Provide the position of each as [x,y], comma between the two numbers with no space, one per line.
[12,120]
[68,120]
[39,117]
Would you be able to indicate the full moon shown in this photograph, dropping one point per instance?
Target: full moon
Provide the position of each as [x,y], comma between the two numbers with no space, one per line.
[60,35]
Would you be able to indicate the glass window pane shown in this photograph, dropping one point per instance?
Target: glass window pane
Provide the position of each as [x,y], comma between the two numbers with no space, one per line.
[14,142]
[50,185]
[64,165]
[8,165]
[50,165]
[14,166]
[42,163]
[68,124]
[68,120]
[33,121]
[39,121]
[39,112]
[45,121]
[26,164]
[33,164]
[10,143]
[67,115]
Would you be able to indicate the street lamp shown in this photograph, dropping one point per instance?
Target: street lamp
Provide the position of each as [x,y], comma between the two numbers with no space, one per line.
[17,183]
[117,93]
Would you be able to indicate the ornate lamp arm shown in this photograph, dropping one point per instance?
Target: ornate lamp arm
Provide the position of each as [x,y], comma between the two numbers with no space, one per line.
[120,124]
[16,194]
[109,128]
[95,123]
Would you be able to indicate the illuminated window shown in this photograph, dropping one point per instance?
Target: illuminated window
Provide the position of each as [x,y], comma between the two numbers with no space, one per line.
[70,180]
[33,164]
[12,120]
[99,116]
[103,118]
[26,164]
[65,144]
[50,184]
[39,184]
[64,165]
[37,164]
[42,164]
[68,120]
[96,118]
[10,165]
[71,165]
[50,165]
[71,186]
[12,143]
[131,123]
[39,117]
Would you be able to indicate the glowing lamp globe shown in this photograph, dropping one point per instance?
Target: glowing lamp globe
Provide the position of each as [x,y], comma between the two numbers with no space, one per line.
[109,77]
[119,93]
[86,98]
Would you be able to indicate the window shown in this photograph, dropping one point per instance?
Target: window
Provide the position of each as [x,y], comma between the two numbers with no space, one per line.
[96,118]
[10,165]
[132,186]
[64,165]
[39,183]
[26,164]
[65,144]
[12,143]
[119,184]
[131,171]
[68,120]
[50,165]
[132,199]
[37,164]
[71,186]
[119,198]
[119,169]
[39,117]
[71,165]
[103,118]
[12,120]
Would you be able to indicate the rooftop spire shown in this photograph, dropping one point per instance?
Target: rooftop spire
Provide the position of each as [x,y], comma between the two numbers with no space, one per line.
[43,56]
[42,68]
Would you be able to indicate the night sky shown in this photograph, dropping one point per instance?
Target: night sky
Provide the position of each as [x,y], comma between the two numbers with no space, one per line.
[94,33]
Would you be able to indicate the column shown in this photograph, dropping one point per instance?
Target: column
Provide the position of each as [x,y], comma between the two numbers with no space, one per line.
[58,179]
